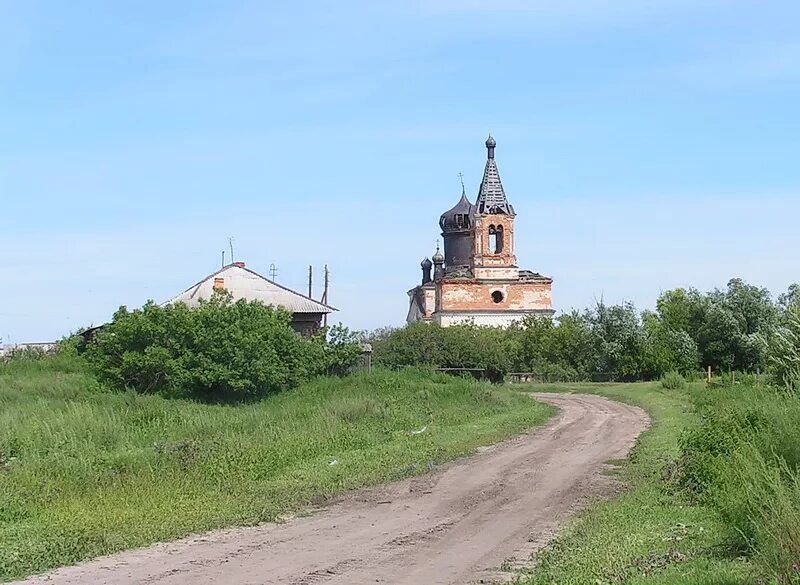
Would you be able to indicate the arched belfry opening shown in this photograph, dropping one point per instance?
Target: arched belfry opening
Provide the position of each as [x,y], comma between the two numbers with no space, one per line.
[495,239]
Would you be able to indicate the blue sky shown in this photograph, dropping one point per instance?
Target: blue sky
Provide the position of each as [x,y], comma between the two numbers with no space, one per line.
[644,144]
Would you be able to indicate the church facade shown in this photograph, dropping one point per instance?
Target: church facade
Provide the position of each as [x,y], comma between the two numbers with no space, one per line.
[477,279]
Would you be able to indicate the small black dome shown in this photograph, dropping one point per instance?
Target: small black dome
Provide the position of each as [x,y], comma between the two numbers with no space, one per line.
[426,264]
[459,218]
[491,142]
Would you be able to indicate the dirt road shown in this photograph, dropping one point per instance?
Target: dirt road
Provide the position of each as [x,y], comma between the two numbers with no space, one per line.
[463,523]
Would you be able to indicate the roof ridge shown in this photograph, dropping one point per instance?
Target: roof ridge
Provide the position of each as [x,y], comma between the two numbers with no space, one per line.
[286,288]
[253,272]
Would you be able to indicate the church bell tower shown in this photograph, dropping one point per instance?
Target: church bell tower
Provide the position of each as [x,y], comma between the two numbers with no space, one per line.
[493,234]
[477,280]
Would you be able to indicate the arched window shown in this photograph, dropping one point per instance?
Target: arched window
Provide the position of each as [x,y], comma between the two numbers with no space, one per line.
[495,239]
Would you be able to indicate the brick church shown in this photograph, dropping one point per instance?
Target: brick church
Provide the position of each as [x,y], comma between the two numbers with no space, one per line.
[477,279]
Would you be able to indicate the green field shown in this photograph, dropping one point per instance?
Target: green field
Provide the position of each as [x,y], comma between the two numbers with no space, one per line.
[650,534]
[85,472]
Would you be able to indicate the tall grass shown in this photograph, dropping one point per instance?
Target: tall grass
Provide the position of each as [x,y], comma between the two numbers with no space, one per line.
[85,472]
[743,459]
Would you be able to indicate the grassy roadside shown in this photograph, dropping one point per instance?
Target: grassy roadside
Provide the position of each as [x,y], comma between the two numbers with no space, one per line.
[647,535]
[85,472]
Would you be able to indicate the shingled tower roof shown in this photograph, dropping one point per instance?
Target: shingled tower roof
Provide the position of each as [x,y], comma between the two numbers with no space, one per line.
[491,196]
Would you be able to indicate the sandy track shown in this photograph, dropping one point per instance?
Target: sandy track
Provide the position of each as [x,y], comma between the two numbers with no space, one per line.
[457,525]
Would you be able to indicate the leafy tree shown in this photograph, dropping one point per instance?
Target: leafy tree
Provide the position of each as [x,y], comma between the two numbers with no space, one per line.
[619,339]
[535,343]
[563,346]
[751,306]
[720,338]
[728,325]
[667,349]
[683,310]
[572,344]
[791,298]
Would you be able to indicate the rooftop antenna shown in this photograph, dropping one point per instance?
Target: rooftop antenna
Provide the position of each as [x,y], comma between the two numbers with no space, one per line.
[273,272]
[230,243]
[223,258]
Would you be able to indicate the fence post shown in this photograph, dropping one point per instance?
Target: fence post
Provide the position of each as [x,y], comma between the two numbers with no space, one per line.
[709,374]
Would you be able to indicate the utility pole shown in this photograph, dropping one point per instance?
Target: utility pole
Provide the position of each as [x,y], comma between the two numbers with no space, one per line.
[310,280]
[325,295]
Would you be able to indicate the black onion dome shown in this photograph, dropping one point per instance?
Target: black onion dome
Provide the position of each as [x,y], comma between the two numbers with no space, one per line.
[426,264]
[459,218]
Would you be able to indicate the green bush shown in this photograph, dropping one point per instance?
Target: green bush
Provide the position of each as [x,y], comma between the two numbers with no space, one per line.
[673,381]
[220,350]
[458,346]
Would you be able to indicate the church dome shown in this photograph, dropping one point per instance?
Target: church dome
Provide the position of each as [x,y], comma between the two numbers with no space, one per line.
[426,264]
[459,218]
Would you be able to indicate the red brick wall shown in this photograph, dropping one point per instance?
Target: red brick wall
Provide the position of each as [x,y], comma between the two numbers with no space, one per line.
[476,296]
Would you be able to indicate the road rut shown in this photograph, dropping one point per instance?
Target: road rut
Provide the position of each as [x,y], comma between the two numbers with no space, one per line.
[465,522]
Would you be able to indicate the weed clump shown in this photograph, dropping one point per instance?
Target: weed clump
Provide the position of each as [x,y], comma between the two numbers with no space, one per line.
[673,381]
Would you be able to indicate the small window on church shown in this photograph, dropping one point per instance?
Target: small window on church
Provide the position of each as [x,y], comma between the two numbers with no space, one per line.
[495,239]
[462,220]
[497,296]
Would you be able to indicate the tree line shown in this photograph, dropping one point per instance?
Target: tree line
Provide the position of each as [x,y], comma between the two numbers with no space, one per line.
[738,328]
[243,350]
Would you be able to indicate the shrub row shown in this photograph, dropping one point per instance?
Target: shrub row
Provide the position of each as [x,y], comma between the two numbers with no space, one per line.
[606,343]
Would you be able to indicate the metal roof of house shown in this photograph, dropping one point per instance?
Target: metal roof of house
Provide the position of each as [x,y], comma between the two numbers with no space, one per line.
[244,283]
